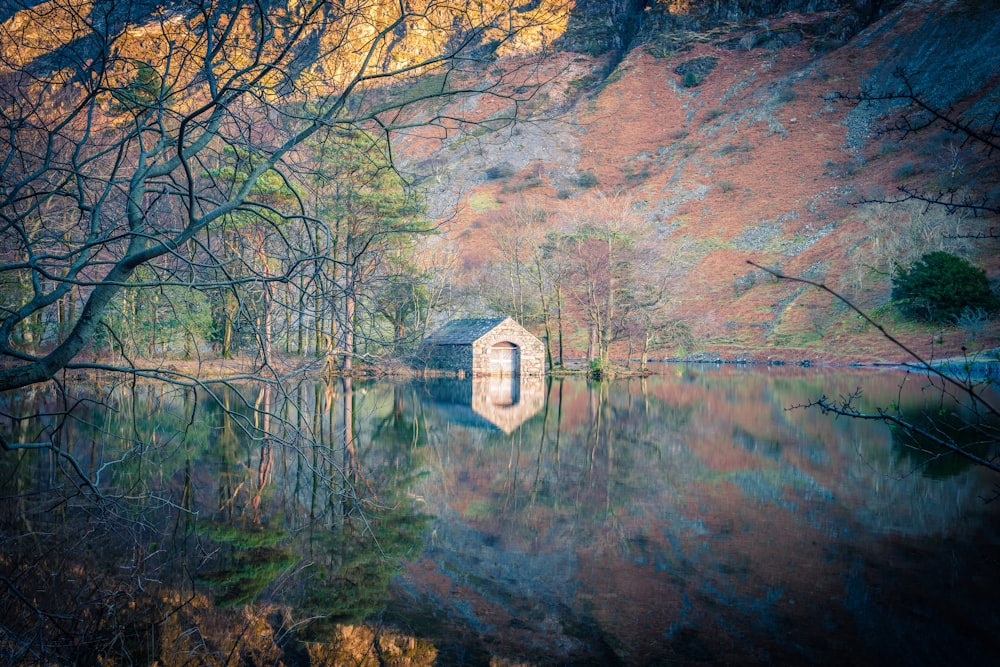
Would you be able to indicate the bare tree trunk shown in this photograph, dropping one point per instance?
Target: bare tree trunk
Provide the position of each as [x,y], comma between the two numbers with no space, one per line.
[545,311]
[61,319]
[300,346]
[266,330]
[646,340]
[559,319]
[227,338]
[318,332]
[70,307]
[349,305]
[288,319]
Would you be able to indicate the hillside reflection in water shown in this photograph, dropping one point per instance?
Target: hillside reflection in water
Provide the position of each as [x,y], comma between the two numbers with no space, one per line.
[684,518]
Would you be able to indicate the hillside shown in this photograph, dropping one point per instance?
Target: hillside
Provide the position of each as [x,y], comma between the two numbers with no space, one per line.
[619,176]
[730,141]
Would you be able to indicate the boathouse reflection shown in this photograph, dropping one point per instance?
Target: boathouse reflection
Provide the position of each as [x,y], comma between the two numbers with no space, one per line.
[502,402]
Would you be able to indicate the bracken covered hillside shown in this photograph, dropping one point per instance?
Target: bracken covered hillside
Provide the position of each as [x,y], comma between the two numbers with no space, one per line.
[725,128]
[683,139]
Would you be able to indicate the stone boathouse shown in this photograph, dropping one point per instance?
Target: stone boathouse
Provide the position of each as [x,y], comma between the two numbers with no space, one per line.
[485,346]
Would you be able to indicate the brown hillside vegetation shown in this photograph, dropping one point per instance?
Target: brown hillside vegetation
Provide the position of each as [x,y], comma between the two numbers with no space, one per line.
[207,219]
[718,134]
[757,162]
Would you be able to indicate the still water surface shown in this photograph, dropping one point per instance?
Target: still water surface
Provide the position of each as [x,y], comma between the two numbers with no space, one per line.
[686,518]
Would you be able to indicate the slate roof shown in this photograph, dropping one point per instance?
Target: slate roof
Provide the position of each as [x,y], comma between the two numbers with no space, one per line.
[464,332]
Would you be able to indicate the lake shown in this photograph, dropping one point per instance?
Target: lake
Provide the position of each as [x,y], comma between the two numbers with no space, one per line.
[692,517]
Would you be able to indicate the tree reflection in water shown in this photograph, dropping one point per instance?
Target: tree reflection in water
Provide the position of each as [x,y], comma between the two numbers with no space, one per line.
[682,518]
[217,535]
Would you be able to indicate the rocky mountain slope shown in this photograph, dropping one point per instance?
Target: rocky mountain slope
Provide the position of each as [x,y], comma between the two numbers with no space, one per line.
[727,127]
[724,124]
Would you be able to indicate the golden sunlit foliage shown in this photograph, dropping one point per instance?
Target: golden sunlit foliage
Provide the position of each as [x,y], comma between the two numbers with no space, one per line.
[134,134]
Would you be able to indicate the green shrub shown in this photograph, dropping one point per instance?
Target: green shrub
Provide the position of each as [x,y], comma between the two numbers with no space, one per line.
[694,71]
[940,286]
[599,370]
[498,171]
[586,179]
[713,113]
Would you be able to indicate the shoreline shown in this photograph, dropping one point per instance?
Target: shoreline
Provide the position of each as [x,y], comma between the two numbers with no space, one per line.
[983,365]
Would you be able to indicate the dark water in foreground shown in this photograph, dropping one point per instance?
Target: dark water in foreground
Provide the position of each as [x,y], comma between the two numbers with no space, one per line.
[687,518]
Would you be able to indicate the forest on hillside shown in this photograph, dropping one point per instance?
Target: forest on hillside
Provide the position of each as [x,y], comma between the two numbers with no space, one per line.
[216,179]
[189,182]
[204,181]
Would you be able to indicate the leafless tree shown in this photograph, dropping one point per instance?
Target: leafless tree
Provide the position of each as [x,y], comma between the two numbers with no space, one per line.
[609,270]
[156,162]
[149,149]
[911,112]
[159,168]
[967,382]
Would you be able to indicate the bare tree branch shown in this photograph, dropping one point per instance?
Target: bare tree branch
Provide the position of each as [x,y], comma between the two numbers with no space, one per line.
[968,389]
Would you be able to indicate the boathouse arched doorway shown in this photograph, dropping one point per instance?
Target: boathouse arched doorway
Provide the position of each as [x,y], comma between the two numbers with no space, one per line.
[505,359]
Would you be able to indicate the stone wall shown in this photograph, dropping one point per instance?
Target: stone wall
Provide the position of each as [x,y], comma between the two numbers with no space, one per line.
[474,358]
[532,350]
[451,357]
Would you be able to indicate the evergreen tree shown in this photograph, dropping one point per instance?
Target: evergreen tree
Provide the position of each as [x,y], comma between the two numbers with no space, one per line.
[940,286]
